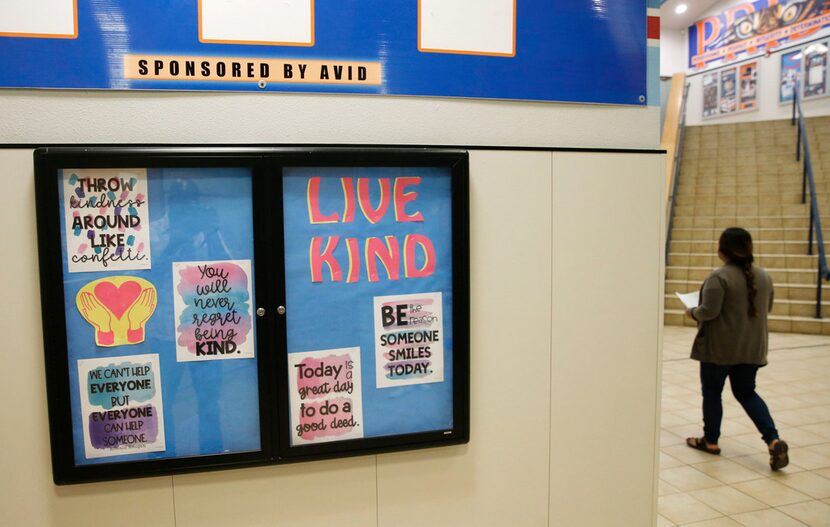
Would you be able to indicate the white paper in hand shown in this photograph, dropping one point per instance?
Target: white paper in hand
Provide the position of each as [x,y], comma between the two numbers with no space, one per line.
[689,300]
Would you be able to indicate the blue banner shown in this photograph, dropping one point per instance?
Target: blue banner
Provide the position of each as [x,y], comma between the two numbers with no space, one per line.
[577,51]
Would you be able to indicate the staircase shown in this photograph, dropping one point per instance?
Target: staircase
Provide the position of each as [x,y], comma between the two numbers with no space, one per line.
[746,175]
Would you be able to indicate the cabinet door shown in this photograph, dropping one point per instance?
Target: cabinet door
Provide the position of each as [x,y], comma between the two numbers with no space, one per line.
[371,297]
[157,287]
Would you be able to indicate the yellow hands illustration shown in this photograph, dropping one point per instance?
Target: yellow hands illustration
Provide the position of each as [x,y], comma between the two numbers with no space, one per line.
[118,307]
[139,314]
[97,315]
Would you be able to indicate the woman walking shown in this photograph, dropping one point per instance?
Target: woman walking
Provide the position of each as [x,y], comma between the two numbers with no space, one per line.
[732,342]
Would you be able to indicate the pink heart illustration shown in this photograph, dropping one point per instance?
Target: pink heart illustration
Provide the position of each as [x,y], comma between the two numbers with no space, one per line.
[117,299]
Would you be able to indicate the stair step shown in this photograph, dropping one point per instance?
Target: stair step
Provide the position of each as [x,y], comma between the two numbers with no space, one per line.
[747,222]
[775,323]
[743,199]
[773,247]
[773,261]
[782,291]
[781,307]
[758,234]
[779,276]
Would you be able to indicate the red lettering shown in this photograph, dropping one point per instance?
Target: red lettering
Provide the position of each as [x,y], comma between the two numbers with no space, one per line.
[373,214]
[402,198]
[409,244]
[353,248]
[326,256]
[348,198]
[389,255]
[314,214]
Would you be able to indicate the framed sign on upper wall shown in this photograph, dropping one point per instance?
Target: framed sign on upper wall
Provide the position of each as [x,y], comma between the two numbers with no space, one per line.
[502,49]
[747,29]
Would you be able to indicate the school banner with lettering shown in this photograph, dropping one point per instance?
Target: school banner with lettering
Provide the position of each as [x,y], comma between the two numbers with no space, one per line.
[503,49]
[750,28]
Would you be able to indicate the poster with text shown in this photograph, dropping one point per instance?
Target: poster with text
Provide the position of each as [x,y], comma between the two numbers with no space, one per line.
[121,405]
[728,91]
[790,72]
[325,395]
[409,345]
[745,29]
[710,95]
[815,70]
[106,213]
[749,86]
[353,236]
[213,310]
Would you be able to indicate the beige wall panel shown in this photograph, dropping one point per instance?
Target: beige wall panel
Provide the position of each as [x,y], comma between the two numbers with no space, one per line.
[607,224]
[564,375]
[96,116]
[27,495]
[501,477]
[338,493]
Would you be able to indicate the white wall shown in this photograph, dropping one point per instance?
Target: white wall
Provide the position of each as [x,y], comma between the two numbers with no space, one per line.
[43,116]
[565,386]
[673,51]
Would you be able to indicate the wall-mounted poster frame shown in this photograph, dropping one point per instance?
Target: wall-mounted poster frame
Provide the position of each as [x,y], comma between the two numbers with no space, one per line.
[710,95]
[748,87]
[790,71]
[728,91]
[814,80]
[219,215]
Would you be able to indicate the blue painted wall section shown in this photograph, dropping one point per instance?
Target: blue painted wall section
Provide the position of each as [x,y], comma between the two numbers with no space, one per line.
[591,51]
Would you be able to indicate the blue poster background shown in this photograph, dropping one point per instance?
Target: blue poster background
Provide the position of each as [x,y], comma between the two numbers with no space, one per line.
[331,315]
[210,407]
[574,50]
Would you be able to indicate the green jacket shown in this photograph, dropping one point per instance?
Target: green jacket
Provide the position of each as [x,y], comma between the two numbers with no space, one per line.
[726,334]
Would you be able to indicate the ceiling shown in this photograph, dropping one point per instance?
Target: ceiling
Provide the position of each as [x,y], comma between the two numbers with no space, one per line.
[670,20]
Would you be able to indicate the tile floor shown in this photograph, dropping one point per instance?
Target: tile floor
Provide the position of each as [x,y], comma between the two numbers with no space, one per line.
[737,487]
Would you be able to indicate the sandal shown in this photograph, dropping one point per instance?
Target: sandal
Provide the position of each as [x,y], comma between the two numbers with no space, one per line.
[699,443]
[778,457]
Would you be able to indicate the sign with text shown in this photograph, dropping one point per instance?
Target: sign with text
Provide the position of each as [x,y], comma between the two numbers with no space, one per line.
[106,213]
[748,28]
[447,48]
[121,405]
[409,345]
[212,302]
[326,400]
[369,268]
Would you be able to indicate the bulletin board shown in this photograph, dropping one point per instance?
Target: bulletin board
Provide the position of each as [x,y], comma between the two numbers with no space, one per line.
[586,52]
[209,308]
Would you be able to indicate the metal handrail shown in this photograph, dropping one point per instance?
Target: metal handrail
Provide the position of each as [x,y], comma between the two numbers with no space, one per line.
[808,180]
[678,156]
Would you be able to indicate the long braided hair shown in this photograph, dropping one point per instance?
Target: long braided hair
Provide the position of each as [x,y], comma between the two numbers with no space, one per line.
[735,245]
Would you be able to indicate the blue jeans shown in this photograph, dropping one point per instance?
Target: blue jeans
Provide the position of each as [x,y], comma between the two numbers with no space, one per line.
[742,381]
